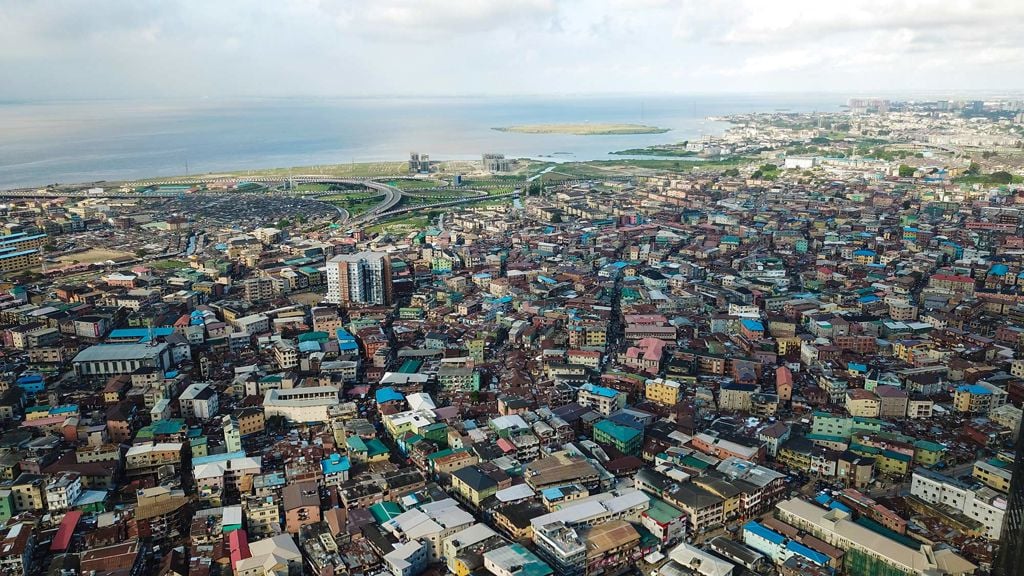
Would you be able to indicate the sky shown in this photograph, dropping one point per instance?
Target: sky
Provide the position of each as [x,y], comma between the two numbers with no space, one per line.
[70,49]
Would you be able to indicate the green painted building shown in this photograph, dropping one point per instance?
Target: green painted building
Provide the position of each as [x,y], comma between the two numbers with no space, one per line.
[624,438]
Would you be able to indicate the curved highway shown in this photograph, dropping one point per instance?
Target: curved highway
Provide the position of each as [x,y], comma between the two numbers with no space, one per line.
[386,208]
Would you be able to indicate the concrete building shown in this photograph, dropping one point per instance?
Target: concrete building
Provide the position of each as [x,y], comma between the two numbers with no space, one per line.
[306,404]
[601,399]
[199,401]
[871,552]
[361,278]
[276,556]
[663,391]
[105,360]
[431,523]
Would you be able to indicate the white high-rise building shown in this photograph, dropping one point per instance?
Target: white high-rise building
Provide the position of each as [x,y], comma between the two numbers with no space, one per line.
[360,278]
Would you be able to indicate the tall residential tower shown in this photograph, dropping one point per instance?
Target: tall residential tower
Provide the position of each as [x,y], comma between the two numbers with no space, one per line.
[360,278]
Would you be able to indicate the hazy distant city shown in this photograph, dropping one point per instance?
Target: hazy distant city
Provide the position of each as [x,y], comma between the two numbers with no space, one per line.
[535,288]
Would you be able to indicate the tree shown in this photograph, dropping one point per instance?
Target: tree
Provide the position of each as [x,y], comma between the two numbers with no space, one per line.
[1001,177]
[731,172]
[300,219]
[534,189]
[988,154]
[757,175]
[140,253]
[283,223]
[906,171]
[769,168]
[974,169]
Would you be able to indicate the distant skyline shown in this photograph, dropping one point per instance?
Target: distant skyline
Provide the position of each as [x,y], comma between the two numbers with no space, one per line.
[67,49]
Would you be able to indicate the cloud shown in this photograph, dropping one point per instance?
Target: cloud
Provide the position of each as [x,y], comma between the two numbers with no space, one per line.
[109,48]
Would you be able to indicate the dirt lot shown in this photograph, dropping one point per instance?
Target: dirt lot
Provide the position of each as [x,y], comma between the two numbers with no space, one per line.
[93,255]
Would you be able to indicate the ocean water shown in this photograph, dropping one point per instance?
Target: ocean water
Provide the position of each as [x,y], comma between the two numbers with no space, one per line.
[85,141]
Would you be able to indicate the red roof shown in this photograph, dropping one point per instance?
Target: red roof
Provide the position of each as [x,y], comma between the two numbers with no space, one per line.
[783,375]
[506,446]
[238,542]
[67,528]
[951,278]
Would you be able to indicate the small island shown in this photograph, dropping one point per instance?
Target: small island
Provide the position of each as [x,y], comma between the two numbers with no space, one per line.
[677,150]
[584,129]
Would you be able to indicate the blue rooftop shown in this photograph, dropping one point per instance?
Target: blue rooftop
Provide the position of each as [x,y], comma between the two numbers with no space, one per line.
[770,535]
[999,270]
[839,506]
[388,395]
[752,325]
[867,299]
[309,346]
[812,555]
[976,389]
[142,334]
[864,252]
[335,464]
[551,493]
[600,390]
[218,457]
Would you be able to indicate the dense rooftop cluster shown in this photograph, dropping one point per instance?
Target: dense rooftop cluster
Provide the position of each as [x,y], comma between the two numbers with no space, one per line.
[806,365]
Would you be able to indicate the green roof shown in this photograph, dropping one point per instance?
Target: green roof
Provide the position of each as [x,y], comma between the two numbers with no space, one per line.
[929,446]
[661,512]
[355,444]
[618,432]
[827,438]
[693,462]
[171,426]
[384,511]
[896,456]
[375,447]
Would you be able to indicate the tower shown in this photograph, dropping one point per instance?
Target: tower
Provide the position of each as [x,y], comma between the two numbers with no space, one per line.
[360,278]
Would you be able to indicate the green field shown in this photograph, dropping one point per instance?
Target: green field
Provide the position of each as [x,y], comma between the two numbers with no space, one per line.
[419,184]
[169,264]
[404,225]
[355,203]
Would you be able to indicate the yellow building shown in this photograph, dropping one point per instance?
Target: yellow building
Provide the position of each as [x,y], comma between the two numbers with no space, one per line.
[787,344]
[732,497]
[893,463]
[907,350]
[993,473]
[863,403]
[663,391]
[928,453]
[12,260]
[27,492]
[473,485]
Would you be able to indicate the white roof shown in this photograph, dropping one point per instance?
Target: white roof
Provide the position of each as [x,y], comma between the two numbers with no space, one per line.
[270,551]
[420,401]
[700,561]
[160,447]
[512,493]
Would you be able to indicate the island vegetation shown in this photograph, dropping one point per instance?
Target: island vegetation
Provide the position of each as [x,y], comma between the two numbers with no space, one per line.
[583,129]
[665,150]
